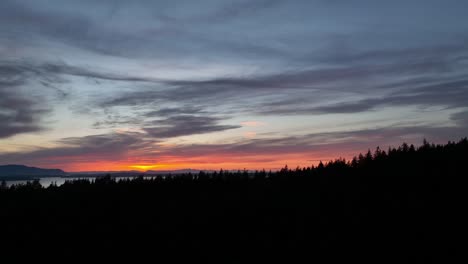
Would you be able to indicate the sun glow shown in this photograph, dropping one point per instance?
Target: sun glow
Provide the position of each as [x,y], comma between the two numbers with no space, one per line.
[144,167]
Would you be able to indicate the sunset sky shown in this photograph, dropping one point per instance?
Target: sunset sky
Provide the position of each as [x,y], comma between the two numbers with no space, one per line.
[135,85]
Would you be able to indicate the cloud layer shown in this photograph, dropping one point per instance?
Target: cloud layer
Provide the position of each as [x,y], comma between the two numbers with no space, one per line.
[226,83]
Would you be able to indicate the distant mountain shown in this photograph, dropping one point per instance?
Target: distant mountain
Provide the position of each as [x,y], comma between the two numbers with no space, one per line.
[25,171]
[133,173]
[175,172]
[94,173]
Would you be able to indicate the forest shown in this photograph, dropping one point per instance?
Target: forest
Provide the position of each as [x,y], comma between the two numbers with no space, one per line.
[401,204]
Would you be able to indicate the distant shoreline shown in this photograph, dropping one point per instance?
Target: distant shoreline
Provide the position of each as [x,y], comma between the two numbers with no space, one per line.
[84,176]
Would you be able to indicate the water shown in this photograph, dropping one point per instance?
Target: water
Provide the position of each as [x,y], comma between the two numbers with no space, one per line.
[46,182]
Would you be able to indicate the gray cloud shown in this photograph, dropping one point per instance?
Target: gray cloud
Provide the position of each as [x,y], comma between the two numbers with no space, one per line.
[461,118]
[259,57]
[24,18]
[414,81]
[19,113]
[105,147]
[105,142]
[325,145]
[163,112]
[185,125]
[154,38]
[108,147]
[451,94]
[235,10]
[51,72]
[442,91]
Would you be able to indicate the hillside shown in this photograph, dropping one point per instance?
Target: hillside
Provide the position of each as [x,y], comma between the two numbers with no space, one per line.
[14,171]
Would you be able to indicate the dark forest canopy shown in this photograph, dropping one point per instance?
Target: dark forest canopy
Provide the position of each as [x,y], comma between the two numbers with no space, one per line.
[401,204]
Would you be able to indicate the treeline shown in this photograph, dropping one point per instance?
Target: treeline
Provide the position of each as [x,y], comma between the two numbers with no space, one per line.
[400,204]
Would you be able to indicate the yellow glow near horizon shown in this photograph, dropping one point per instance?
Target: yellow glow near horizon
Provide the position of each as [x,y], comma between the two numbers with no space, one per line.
[144,167]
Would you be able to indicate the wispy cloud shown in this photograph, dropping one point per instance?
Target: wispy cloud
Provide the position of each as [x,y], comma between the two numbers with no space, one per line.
[252,123]
[19,113]
[186,125]
[130,146]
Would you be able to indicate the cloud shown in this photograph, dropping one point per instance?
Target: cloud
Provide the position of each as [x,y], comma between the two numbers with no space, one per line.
[235,10]
[154,34]
[311,77]
[250,134]
[304,99]
[64,69]
[129,146]
[252,123]
[19,113]
[51,72]
[243,59]
[418,74]
[164,112]
[461,118]
[18,16]
[449,94]
[110,144]
[185,125]
[93,148]
[323,145]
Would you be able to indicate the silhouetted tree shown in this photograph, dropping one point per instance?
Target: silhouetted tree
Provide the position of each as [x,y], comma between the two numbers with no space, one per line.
[3,185]
[394,205]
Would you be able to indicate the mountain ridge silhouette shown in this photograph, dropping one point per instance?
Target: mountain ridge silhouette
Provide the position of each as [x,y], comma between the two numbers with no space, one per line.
[15,170]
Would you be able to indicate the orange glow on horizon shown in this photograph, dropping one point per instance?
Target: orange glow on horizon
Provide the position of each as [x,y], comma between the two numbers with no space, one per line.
[143,167]
[212,161]
[200,160]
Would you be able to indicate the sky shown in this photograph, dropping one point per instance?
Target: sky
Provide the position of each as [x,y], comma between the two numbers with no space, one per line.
[135,85]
